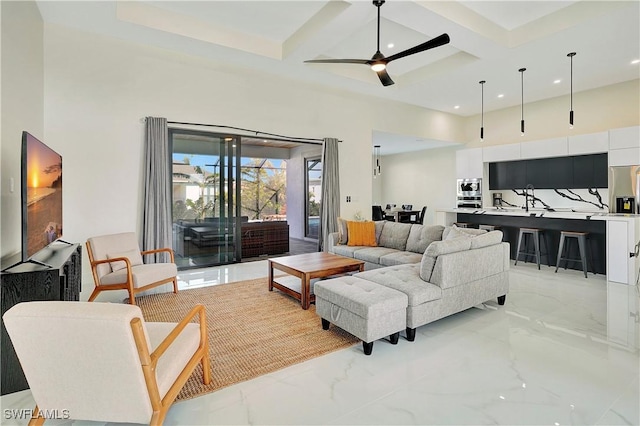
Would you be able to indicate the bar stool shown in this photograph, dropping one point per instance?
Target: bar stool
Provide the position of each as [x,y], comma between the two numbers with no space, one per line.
[463,224]
[490,228]
[534,233]
[581,238]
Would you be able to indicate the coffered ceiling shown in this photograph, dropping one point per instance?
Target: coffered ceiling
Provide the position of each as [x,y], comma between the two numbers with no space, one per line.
[490,40]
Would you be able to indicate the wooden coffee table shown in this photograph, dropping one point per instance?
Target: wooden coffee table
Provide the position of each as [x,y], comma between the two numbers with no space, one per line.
[306,267]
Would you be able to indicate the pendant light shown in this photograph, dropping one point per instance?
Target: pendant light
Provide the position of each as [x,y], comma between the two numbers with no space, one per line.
[482,82]
[522,70]
[571,55]
[377,170]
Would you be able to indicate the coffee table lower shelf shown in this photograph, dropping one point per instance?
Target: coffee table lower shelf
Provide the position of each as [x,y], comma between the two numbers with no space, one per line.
[292,286]
[304,268]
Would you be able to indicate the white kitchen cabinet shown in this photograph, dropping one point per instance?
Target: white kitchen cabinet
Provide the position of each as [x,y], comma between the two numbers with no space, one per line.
[469,163]
[506,152]
[592,143]
[625,137]
[624,157]
[557,147]
[622,237]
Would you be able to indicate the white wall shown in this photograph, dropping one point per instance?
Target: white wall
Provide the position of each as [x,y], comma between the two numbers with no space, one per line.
[420,178]
[22,104]
[97,89]
[596,110]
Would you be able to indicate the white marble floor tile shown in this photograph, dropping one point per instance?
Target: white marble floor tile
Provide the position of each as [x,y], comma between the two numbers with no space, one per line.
[562,350]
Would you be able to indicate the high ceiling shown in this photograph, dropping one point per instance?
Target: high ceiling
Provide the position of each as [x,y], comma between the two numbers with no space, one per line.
[490,40]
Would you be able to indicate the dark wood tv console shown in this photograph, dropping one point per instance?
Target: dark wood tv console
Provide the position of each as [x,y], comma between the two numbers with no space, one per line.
[28,282]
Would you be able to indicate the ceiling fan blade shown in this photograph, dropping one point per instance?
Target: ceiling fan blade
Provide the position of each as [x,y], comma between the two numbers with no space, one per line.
[384,78]
[435,42]
[340,61]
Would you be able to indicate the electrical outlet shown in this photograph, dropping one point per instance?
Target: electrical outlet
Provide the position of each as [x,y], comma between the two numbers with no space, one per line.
[348,198]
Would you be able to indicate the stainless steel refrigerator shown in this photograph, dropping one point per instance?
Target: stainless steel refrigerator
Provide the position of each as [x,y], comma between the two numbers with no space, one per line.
[624,189]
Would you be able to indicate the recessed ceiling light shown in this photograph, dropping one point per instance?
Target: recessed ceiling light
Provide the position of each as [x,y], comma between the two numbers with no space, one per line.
[501,95]
[456,107]
[635,61]
[390,45]
[556,81]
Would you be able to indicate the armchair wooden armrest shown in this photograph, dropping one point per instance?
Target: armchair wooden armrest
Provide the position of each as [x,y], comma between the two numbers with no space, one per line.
[162,347]
[149,361]
[165,249]
[115,259]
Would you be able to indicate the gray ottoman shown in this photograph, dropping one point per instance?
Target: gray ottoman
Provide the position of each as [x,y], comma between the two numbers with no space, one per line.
[363,308]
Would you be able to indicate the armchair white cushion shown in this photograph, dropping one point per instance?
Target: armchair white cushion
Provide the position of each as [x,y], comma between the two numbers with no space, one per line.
[102,362]
[117,264]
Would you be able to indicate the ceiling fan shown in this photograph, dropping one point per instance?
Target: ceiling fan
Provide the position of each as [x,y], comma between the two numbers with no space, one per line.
[378,61]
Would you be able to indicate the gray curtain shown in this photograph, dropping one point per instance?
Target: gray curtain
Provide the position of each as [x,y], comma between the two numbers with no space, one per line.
[156,226]
[330,205]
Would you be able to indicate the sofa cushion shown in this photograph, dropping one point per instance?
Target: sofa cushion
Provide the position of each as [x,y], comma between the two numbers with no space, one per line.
[361,233]
[346,251]
[460,232]
[400,258]
[379,226]
[420,236]
[372,254]
[460,268]
[343,233]
[487,239]
[394,235]
[404,278]
[438,248]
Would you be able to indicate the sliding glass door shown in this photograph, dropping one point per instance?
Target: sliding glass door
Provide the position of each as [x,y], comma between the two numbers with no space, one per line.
[206,218]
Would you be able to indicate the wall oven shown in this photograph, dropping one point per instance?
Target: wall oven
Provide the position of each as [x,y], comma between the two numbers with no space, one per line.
[469,193]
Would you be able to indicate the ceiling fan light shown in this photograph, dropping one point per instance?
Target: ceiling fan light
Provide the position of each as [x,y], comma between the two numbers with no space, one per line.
[378,66]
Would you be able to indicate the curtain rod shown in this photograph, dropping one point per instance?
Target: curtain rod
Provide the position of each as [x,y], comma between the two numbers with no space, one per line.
[313,141]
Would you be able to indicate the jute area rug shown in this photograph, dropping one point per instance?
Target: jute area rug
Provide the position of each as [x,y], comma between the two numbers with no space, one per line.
[251,330]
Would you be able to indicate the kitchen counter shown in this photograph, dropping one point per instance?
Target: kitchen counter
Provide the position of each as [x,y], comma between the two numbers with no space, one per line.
[558,214]
[614,237]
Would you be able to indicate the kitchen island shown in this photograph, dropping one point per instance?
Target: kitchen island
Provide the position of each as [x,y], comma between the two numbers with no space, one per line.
[613,236]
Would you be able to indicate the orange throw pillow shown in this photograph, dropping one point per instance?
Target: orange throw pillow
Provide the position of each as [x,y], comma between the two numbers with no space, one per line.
[362,234]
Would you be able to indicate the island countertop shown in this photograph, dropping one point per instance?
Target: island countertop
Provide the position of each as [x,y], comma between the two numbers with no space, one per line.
[558,214]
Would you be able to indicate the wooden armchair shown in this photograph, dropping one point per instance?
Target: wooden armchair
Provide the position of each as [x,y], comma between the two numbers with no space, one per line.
[117,264]
[102,361]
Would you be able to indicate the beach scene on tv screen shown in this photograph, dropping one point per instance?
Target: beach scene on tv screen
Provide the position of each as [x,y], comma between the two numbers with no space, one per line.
[44,195]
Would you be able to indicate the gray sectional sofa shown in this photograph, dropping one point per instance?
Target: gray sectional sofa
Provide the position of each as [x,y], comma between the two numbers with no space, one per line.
[458,270]
[398,244]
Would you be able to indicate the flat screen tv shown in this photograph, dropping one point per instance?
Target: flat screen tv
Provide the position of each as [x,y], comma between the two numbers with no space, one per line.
[41,176]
